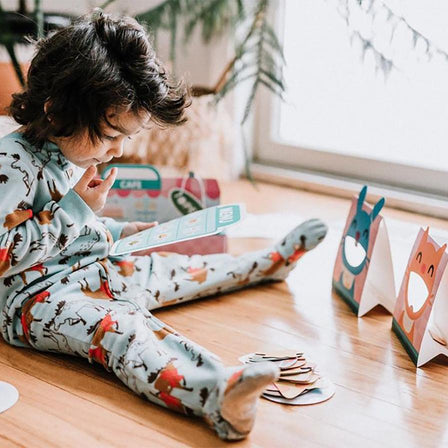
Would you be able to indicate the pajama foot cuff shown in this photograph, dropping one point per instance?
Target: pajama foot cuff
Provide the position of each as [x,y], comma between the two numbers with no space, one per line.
[231,407]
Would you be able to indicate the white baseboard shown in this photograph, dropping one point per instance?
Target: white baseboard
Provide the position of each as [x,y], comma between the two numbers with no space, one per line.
[407,200]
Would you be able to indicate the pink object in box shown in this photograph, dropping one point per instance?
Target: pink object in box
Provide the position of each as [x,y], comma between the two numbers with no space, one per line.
[213,244]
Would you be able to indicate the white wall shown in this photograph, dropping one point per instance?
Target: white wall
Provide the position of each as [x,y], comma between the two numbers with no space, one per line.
[193,62]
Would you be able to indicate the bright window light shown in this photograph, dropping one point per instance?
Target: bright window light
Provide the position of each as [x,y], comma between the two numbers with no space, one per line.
[336,103]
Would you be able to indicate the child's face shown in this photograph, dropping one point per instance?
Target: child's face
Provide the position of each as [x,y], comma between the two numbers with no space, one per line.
[82,152]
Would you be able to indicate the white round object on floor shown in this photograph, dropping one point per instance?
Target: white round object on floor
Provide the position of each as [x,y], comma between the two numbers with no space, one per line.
[8,396]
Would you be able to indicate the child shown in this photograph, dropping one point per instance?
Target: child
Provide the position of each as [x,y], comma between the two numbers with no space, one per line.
[90,87]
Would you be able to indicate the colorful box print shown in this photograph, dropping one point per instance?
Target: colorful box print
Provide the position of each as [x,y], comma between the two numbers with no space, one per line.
[355,250]
[140,194]
[421,281]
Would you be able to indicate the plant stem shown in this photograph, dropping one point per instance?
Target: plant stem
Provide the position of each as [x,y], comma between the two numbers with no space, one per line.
[39,14]
[222,79]
[22,7]
[12,54]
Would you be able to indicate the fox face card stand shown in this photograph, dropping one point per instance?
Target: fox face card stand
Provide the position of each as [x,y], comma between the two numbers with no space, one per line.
[421,312]
[363,272]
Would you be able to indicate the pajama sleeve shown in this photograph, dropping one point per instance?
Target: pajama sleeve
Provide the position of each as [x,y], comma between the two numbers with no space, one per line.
[27,239]
[114,227]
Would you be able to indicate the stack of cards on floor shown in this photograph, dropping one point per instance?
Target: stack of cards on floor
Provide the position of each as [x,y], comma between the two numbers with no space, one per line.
[299,382]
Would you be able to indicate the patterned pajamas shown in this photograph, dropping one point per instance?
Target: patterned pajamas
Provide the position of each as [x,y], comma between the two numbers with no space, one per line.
[60,292]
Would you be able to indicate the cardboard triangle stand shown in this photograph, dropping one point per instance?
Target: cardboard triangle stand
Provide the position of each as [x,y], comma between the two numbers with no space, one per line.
[363,274]
[421,312]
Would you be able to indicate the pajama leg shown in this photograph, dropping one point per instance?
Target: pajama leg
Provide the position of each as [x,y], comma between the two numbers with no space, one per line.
[148,356]
[175,278]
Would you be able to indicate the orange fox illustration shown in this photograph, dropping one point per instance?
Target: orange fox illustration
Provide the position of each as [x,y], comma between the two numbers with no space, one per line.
[278,261]
[27,317]
[5,258]
[99,353]
[297,254]
[168,379]
[197,274]
[127,268]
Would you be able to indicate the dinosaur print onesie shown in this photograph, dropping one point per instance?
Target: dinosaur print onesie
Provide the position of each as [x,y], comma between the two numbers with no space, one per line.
[61,292]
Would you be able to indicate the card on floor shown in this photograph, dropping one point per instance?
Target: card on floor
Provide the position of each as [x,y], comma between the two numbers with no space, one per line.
[8,396]
[299,371]
[323,393]
[421,312]
[292,364]
[263,357]
[363,272]
[280,355]
[308,378]
[291,391]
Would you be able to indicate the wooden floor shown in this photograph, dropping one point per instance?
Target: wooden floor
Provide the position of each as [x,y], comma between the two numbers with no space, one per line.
[381,398]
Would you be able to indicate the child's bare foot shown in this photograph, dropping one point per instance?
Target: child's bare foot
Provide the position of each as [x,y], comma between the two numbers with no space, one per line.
[232,414]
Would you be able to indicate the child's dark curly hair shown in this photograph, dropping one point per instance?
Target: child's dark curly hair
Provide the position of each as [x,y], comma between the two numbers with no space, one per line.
[82,71]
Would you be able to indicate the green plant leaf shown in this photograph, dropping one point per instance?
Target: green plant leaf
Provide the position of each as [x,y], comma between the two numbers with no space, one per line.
[250,100]
[279,82]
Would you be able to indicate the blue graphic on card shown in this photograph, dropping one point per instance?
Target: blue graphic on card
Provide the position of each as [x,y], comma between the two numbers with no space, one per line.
[227,215]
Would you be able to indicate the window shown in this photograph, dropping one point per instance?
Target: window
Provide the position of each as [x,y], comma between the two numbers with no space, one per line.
[348,117]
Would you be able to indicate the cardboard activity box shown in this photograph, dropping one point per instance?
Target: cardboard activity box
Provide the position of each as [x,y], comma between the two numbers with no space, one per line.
[139,193]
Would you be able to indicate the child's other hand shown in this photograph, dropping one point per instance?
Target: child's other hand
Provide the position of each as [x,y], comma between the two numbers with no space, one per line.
[136,226]
[94,191]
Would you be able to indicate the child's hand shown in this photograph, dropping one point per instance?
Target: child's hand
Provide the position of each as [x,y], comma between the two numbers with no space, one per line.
[136,226]
[94,191]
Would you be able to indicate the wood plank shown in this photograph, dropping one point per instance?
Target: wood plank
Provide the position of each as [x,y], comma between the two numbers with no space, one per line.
[50,416]
[381,399]
[94,384]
